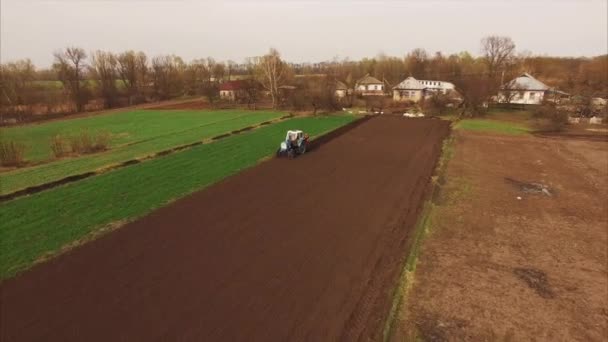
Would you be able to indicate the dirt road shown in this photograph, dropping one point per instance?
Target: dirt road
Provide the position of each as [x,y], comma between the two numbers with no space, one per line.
[304,249]
[506,262]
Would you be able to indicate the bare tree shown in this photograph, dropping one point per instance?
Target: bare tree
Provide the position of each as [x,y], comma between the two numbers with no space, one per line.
[16,82]
[498,52]
[230,68]
[69,65]
[219,71]
[167,72]
[416,63]
[104,70]
[251,85]
[476,91]
[272,72]
[132,69]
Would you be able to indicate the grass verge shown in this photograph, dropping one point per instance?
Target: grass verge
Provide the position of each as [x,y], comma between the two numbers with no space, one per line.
[422,228]
[38,226]
[493,126]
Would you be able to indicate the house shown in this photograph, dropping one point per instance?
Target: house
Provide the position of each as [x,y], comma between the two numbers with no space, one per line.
[409,89]
[233,90]
[525,89]
[415,90]
[369,85]
[442,87]
[341,90]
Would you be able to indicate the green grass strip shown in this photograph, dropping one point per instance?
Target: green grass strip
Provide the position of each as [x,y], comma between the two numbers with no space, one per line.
[492,126]
[44,223]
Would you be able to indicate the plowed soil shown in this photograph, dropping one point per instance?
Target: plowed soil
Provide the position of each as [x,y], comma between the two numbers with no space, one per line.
[303,249]
[191,105]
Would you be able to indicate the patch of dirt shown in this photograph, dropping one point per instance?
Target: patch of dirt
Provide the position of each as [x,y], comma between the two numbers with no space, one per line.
[579,132]
[43,119]
[290,250]
[533,268]
[432,328]
[195,104]
[530,187]
[536,280]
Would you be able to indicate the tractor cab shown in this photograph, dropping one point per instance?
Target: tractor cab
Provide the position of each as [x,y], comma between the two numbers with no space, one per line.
[295,143]
[294,136]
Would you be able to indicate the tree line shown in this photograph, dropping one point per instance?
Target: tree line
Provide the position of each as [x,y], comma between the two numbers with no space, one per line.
[131,77]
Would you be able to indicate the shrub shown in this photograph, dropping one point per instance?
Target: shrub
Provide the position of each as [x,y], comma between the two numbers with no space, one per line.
[11,153]
[84,142]
[550,118]
[59,146]
[81,143]
[102,142]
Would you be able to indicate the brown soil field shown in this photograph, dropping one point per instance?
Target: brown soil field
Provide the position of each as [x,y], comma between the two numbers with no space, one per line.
[42,119]
[195,104]
[203,104]
[302,249]
[507,262]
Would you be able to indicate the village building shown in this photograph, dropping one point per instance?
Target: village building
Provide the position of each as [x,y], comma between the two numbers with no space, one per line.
[409,89]
[369,86]
[233,90]
[415,90]
[527,90]
[341,90]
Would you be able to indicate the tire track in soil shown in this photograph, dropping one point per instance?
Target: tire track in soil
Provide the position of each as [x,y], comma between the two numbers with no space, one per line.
[303,249]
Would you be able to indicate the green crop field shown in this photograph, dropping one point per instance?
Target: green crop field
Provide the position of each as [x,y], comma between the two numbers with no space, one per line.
[493,126]
[43,223]
[134,134]
[125,127]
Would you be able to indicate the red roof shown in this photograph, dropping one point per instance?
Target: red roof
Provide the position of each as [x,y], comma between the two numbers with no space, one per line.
[233,85]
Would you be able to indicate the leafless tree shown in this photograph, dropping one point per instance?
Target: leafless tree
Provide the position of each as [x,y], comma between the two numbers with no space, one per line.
[271,73]
[69,65]
[167,74]
[230,67]
[104,68]
[416,63]
[476,90]
[132,69]
[218,72]
[16,82]
[498,52]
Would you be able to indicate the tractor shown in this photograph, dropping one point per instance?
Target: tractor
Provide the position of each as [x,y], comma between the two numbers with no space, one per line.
[295,144]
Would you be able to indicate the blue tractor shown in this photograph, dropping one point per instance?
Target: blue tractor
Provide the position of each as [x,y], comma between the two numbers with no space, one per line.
[295,144]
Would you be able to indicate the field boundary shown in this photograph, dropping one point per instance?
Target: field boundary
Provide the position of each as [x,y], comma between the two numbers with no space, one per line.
[39,119]
[421,229]
[73,178]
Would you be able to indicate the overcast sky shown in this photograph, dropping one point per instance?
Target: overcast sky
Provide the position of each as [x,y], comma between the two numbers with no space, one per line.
[302,30]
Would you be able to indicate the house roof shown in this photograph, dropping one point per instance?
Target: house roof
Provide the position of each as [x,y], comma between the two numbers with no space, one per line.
[525,81]
[410,83]
[341,86]
[233,85]
[367,79]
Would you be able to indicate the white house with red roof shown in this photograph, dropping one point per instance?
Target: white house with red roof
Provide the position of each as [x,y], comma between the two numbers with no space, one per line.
[233,90]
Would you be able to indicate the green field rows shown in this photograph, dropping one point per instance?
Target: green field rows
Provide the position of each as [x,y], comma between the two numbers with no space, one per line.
[42,223]
[135,134]
[493,126]
[125,127]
